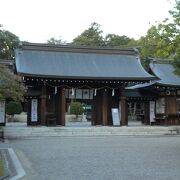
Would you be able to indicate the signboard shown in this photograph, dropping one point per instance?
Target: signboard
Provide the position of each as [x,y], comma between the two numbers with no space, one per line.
[91,94]
[178,92]
[152,114]
[2,112]
[115,116]
[78,93]
[85,93]
[71,93]
[34,106]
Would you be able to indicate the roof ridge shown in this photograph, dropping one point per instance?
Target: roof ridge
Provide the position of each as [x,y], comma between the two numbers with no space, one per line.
[161,61]
[80,49]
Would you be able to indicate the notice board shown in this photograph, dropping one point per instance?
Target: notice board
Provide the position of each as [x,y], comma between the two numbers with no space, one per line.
[34,106]
[2,112]
[115,116]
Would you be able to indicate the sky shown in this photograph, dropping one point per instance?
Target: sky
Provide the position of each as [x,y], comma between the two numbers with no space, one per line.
[39,20]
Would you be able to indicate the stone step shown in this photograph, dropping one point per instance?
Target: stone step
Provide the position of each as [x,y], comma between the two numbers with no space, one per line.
[88,131]
[21,130]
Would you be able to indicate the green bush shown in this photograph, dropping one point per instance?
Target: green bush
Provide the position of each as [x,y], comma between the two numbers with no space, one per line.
[76,108]
[13,108]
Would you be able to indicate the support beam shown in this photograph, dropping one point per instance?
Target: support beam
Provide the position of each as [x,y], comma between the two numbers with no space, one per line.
[105,108]
[43,105]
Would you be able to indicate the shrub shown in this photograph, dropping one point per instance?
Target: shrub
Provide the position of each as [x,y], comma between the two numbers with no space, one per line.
[76,108]
[13,108]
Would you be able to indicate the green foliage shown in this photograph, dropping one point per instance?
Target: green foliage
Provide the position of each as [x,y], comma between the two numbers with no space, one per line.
[13,108]
[11,86]
[76,108]
[8,42]
[1,168]
[113,40]
[56,41]
[93,37]
[163,40]
[177,61]
[90,37]
[157,43]
[176,13]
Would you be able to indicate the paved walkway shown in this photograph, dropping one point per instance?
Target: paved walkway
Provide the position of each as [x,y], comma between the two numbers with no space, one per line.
[98,158]
[21,130]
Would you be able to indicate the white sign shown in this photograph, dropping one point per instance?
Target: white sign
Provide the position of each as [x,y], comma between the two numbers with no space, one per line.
[91,94]
[178,92]
[2,112]
[78,93]
[115,116]
[152,114]
[85,93]
[160,105]
[34,106]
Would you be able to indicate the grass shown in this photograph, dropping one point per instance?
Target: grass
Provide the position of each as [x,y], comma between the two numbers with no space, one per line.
[1,168]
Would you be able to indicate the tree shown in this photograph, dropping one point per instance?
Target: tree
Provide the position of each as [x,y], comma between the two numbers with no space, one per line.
[8,42]
[176,13]
[113,40]
[176,16]
[177,61]
[163,40]
[76,108]
[56,41]
[157,43]
[14,108]
[11,86]
[90,37]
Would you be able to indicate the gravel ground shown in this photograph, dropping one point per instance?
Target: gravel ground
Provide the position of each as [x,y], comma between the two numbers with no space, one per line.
[99,158]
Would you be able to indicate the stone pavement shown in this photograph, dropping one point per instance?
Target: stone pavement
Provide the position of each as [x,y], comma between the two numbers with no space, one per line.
[21,130]
[83,152]
[98,157]
[4,163]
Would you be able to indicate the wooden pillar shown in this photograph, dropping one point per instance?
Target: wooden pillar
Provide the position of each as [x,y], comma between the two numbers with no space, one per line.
[97,109]
[94,107]
[109,116]
[43,105]
[105,108]
[29,112]
[146,113]
[123,111]
[61,107]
